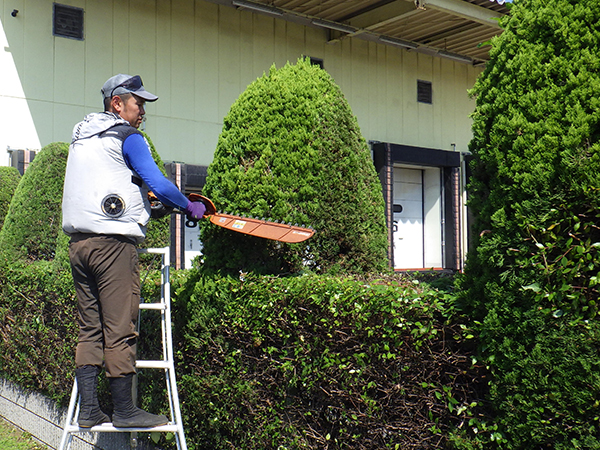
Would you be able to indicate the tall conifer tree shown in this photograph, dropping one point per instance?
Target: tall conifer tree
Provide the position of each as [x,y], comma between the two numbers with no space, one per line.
[531,277]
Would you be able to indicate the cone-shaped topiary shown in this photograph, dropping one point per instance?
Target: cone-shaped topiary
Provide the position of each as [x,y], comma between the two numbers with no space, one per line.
[291,151]
[9,179]
[532,279]
[34,219]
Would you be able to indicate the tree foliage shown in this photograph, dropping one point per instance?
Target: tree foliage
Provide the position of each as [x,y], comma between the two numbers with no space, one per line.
[291,151]
[531,280]
[9,179]
[34,219]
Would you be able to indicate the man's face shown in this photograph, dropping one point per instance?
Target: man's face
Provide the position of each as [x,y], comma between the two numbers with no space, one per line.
[132,110]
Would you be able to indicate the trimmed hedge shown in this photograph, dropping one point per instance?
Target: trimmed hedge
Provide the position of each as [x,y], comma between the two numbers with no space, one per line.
[270,363]
[320,362]
[291,150]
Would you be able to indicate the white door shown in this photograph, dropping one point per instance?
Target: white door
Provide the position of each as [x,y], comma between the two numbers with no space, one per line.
[408,219]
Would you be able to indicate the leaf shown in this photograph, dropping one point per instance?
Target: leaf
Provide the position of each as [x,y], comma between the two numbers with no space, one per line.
[535,287]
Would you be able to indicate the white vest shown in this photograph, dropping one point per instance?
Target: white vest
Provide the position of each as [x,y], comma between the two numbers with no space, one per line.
[99,196]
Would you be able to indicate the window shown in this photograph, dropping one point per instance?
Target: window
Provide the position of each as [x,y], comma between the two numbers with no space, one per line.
[67,21]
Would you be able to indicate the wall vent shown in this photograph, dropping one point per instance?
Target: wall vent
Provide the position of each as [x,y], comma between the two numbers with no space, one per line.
[424,92]
[317,62]
[67,21]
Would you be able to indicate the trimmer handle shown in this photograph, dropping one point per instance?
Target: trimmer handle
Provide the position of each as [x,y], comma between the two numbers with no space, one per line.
[210,208]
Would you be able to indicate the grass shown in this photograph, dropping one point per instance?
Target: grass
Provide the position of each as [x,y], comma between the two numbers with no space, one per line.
[13,439]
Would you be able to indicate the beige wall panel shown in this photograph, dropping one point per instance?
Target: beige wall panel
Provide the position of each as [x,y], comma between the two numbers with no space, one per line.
[69,71]
[392,104]
[410,123]
[46,129]
[207,56]
[358,94]
[182,60]
[198,57]
[315,41]
[281,46]
[264,47]
[228,59]
[378,90]
[98,51]
[248,57]
[206,137]
[163,61]
[14,29]
[63,128]
[466,76]
[38,51]
[425,136]
[448,92]
[437,118]
[142,43]
[120,37]
[294,44]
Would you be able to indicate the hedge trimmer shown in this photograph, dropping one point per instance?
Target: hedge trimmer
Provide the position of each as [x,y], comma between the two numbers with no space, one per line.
[263,228]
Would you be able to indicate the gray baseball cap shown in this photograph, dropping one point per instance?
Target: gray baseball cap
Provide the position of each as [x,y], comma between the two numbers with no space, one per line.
[126,84]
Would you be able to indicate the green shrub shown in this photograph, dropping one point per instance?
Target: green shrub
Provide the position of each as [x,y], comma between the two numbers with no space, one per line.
[9,179]
[531,281]
[291,151]
[319,362]
[34,219]
[38,327]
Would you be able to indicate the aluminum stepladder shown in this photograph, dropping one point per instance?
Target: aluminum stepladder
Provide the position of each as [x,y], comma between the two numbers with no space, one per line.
[175,425]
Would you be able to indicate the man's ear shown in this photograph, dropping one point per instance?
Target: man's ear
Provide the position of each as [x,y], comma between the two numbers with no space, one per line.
[116,104]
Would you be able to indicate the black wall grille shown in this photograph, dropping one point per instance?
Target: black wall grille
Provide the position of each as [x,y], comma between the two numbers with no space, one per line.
[317,62]
[67,22]
[424,92]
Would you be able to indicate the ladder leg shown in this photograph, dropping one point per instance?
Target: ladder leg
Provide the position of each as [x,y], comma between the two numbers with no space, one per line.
[65,440]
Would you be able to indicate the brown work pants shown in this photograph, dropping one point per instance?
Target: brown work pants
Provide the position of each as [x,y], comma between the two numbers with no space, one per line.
[106,276]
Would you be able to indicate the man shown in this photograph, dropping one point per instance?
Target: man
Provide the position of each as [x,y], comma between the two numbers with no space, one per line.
[105,211]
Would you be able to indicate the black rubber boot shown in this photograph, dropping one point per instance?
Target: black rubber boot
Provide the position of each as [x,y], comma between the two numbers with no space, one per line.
[125,413]
[90,413]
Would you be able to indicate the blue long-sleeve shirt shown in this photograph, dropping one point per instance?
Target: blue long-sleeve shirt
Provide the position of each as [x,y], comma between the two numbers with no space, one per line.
[137,156]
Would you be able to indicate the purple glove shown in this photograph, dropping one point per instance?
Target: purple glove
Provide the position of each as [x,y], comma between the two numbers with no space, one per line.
[195,210]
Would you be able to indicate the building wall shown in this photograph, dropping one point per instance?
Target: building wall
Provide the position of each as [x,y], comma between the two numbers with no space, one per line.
[198,57]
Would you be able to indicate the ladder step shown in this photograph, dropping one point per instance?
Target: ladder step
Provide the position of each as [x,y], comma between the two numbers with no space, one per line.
[108,427]
[157,306]
[154,365]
